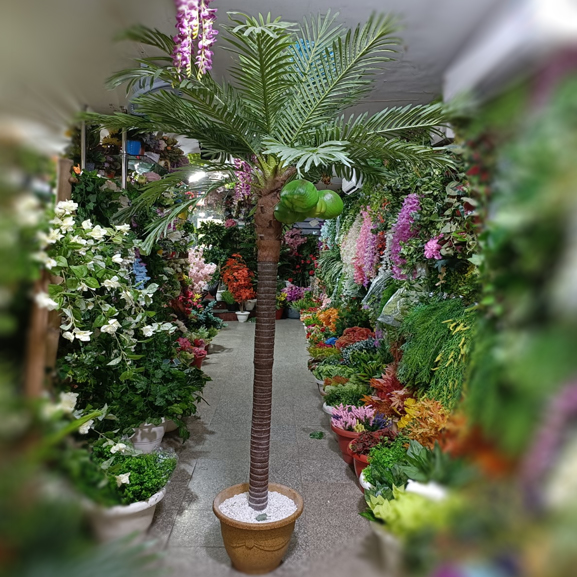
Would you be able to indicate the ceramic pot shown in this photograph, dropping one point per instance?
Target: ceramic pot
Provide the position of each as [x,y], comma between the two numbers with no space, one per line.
[293,313]
[321,386]
[232,308]
[111,523]
[344,438]
[256,548]
[147,437]
[390,549]
[360,461]
[279,313]
[198,362]
[250,304]
[219,295]
[365,485]
[242,317]
[327,409]
[170,426]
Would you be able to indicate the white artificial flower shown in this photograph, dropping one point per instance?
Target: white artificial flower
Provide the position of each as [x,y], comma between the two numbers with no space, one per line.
[54,236]
[148,330]
[27,209]
[110,328]
[97,233]
[111,283]
[82,335]
[55,221]
[175,236]
[125,228]
[77,240]
[430,490]
[68,401]
[45,302]
[67,224]
[65,207]
[87,224]
[83,287]
[117,258]
[50,263]
[127,296]
[42,237]
[119,447]
[89,305]
[83,430]
[68,335]
[123,479]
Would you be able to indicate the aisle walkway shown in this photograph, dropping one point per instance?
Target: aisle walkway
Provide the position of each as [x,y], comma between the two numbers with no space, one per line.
[330,536]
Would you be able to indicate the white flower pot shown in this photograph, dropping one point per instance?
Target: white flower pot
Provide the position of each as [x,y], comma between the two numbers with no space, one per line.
[148,437]
[219,295]
[110,523]
[363,482]
[328,410]
[242,316]
[170,426]
[390,548]
[250,304]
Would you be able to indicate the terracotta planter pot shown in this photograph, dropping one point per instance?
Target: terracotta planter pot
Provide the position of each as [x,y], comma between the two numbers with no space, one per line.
[198,362]
[360,461]
[256,548]
[279,313]
[344,438]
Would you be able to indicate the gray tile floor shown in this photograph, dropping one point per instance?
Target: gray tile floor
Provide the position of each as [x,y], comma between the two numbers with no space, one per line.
[330,537]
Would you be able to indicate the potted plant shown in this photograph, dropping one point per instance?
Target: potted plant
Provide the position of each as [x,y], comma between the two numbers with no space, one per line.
[238,279]
[293,294]
[348,422]
[280,305]
[360,447]
[121,486]
[191,353]
[302,110]
[228,298]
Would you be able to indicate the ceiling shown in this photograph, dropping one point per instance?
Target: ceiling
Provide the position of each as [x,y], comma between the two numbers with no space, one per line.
[56,55]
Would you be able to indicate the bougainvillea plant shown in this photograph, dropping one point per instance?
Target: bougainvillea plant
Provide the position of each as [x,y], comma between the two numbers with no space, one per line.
[238,278]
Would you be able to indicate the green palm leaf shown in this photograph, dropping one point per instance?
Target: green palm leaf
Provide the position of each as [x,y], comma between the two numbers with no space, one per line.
[338,77]
[264,63]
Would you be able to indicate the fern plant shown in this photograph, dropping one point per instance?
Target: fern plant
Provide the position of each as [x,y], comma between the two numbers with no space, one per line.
[284,114]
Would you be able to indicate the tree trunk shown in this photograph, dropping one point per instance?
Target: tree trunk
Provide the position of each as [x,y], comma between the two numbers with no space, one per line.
[268,231]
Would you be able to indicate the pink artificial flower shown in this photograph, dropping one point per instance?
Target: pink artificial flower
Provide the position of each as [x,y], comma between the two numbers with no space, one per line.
[433,248]
[229,223]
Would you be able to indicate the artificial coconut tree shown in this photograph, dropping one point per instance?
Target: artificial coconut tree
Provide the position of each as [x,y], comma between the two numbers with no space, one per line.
[284,114]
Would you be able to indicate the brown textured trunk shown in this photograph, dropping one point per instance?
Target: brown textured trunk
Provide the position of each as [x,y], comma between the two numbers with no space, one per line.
[268,231]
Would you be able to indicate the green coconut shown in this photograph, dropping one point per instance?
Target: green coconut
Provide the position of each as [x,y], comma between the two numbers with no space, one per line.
[284,215]
[299,196]
[318,211]
[333,203]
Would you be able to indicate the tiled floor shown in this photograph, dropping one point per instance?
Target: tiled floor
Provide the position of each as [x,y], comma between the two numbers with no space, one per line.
[330,537]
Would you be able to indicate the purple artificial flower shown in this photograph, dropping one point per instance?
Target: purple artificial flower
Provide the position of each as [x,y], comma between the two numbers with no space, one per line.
[367,252]
[242,188]
[402,232]
[433,248]
[194,21]
[294,293]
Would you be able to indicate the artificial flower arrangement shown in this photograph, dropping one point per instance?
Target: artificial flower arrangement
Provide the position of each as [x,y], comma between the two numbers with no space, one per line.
[368,440]
[357,419]
[294,293]
[329,318]
[200,272]
[192,353]
[281,300]
[353,335]
[238,279]
[111,472]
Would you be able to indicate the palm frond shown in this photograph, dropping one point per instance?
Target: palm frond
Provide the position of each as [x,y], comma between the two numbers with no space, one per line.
[119,121]
[339,76]
[147,73]
[263,65]
[306,157]
[148,37]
